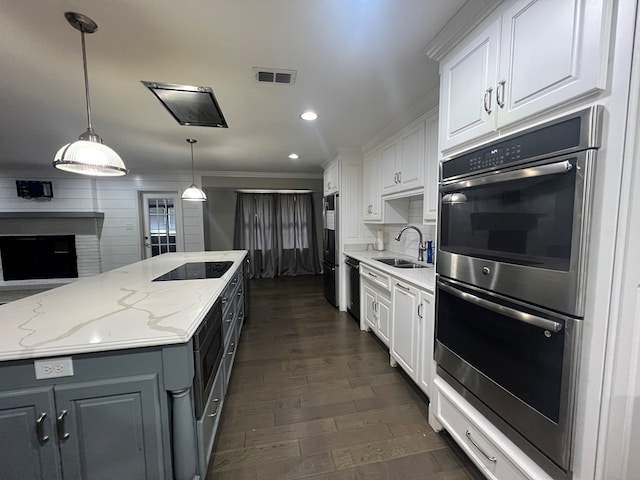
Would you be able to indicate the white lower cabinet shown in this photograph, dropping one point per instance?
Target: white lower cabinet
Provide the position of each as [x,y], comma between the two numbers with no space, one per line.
[376,312]
[426,332]
[404,339]
[375,305]
[495,455]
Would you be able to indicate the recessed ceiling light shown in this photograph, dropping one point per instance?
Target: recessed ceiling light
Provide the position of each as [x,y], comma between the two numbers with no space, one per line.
[309,115]
[293,156]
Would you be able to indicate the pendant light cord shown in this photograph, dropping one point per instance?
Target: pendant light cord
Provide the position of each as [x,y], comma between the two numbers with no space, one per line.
[193,175]
[86,82]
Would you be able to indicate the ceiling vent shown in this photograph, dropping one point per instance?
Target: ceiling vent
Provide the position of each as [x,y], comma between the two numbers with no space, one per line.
[274,75]
[189,105]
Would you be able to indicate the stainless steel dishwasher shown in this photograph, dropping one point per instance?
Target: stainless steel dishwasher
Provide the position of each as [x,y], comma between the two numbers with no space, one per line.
[353,287]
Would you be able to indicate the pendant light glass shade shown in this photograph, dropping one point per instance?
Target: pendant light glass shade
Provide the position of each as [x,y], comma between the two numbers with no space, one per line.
[193,193]
[89,155]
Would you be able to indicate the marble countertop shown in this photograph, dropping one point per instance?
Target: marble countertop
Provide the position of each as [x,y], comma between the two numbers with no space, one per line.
[118,309]
[420,277]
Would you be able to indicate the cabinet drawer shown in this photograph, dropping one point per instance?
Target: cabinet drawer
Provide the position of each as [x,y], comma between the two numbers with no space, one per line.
[207,425]
[240,305]
[230,353]
[375,276]
[228,319]
[476,442]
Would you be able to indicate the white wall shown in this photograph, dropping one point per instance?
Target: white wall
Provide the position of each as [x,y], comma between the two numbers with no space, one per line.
[117,198]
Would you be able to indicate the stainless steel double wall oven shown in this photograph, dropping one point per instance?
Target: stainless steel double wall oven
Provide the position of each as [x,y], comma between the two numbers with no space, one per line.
[511,265]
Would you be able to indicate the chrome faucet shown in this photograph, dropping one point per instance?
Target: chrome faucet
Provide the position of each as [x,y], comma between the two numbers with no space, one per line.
[422,246]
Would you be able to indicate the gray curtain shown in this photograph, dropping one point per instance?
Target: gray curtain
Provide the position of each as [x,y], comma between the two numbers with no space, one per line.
[279,232]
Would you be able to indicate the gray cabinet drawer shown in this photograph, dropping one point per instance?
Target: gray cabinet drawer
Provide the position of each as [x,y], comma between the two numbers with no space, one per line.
[230,353]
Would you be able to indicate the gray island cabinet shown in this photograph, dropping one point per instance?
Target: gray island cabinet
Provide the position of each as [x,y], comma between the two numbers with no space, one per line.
[123,406]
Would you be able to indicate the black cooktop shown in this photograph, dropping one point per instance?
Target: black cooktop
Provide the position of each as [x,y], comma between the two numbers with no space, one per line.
[196,270]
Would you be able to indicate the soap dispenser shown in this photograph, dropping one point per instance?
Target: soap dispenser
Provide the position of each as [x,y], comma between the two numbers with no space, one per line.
[429,251]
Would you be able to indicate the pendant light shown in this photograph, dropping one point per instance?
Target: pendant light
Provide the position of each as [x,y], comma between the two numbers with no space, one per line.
[193,193]
[88,155]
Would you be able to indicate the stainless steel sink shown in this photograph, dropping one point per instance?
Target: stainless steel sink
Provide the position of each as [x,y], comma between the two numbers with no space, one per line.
[400,263]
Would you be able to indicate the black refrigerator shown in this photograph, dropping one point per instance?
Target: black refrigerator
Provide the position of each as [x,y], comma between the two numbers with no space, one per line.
[330,258]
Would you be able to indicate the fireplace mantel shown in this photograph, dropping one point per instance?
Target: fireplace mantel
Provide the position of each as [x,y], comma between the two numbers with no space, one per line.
[51,214]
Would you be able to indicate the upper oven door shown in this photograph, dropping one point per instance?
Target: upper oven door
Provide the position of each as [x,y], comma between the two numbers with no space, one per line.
[521,232]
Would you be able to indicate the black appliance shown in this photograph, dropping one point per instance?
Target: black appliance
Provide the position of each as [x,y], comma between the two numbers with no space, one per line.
[196,271]
[207,352]
[353,287]
[513,243]
[330,222]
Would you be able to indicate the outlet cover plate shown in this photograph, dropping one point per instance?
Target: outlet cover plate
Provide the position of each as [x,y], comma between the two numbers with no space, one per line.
[53,367]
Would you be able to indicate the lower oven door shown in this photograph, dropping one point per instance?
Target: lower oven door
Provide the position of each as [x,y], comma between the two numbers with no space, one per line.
[517,362]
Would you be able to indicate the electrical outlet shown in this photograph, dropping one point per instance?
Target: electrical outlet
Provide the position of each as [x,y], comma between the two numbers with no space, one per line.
[53,367]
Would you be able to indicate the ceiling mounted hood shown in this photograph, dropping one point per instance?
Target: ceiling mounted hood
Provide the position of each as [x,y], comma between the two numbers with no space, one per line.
[188,104]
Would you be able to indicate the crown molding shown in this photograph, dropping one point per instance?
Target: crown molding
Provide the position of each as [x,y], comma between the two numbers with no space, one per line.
[461,24]
[426,105]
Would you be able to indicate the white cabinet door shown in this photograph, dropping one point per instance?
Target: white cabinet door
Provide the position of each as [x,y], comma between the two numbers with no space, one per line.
[550,53]
[411,159]
[538,55]
[430,205]
[404,339]
[331,178]
[389,167]
[383,308]
[368,303]
[371,186]
[426,326]
[467,90]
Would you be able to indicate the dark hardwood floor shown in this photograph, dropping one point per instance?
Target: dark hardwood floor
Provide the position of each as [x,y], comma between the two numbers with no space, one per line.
[313,397]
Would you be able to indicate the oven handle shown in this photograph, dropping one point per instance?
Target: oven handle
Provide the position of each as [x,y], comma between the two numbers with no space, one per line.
[503,310]
[551,169]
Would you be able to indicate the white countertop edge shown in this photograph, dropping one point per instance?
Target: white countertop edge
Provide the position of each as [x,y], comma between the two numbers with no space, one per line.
[423,278]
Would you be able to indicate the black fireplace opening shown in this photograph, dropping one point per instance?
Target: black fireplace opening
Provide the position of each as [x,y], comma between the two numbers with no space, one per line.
[38,256]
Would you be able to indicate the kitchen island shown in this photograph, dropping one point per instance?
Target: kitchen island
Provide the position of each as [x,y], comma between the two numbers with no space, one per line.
[114,359]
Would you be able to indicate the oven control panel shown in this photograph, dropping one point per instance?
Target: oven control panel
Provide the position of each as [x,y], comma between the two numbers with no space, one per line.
[495,157]
[545,141]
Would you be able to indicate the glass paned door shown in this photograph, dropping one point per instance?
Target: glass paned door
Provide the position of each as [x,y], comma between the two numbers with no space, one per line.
[161,224]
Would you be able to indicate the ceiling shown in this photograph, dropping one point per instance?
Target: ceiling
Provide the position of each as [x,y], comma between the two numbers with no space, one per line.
[359,65]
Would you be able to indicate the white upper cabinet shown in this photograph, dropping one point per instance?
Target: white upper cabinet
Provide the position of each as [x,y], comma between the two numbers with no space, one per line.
[389,167]
[371,187]
[331,178]
[467,90]
[403,160]
[538,55]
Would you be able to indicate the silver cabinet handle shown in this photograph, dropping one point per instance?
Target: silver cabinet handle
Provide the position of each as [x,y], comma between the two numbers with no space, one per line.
[230,316]
[42,437]
[233,346]
[500,93]
[420,311]
[62,433]
[372,275]
[216,401]
[487,100]
[491,459]
[524,317]
[406,289]
[224,300]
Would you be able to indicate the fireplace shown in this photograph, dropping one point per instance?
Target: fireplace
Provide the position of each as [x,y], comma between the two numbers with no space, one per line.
[81,229]
[30,257]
